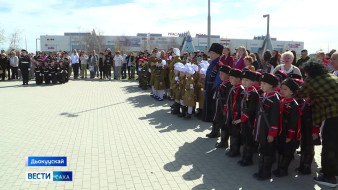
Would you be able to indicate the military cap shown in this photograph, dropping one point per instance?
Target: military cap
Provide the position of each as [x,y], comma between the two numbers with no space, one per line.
[217,48]
[258,76]
[295,76]
[248,74]
[270,79]
[293,85]
[281,75]
[225,69]
[235,73]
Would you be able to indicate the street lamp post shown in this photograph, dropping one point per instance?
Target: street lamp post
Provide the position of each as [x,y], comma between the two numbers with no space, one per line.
[268,25]
[209,25]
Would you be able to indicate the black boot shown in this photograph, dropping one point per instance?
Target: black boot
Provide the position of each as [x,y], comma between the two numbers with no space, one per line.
[212,130]
[187,116]
[183,111]
[216,131]
[176,109]
[234,147]
[283,166]
[224,139]
[301,162]
[305,169]
[247,156]
[221,144]
[267,165]
[174,105]
[199,115]
[260,167]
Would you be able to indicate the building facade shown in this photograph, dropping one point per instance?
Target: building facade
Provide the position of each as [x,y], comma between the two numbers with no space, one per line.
[145,41]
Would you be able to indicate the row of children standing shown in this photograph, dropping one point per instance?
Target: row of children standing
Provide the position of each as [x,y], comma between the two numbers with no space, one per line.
[51,70]
[175,79]
[253,109]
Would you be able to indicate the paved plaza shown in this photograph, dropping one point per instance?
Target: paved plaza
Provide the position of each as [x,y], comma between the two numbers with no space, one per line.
[115,136]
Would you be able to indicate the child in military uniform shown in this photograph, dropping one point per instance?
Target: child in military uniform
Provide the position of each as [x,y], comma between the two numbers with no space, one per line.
[176,59]
[197,88]
[167,81]
[46,72]
[140,78]
[267,126]
[181,91]
[288,139]
[145,75]
[310,138]
[309,133]
[66,67]
[174,86]
[62,72]
[221,95]
[200,87]
[257,83]
[54,72]
[248,113]
[233,112]
[189,94]
[38,73]
[159,81]
[152,67]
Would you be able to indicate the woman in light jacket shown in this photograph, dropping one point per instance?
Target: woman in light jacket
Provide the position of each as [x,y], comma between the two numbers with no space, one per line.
[287,66]
[14,63]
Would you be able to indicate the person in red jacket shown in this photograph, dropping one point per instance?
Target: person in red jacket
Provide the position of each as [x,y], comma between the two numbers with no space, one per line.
[226,57]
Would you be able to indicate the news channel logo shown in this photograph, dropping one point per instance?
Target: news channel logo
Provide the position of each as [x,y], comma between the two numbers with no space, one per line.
[50,176]
[39,161]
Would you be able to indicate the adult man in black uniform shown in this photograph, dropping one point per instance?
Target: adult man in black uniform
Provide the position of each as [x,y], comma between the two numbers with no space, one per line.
[24,65]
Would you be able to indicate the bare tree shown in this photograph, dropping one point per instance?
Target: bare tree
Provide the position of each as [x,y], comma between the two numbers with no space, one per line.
[100,41]
[15,39]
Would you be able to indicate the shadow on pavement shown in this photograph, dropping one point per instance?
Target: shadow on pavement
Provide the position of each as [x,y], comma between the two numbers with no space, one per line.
[166,122]
[146,100]
[67,114]
[220,172]
[131,88]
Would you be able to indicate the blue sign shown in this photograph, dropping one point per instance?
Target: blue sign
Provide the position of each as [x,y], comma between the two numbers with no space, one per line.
[50,176]
[62,176]
[39,176]
[46,161]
